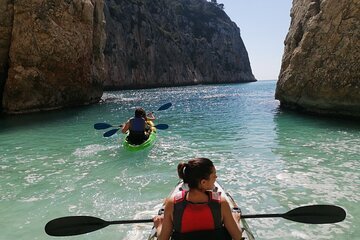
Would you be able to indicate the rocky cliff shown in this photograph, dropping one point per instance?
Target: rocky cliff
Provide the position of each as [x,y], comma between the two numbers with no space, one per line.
[320,70]
[52,53]
[172,42]
[55,53]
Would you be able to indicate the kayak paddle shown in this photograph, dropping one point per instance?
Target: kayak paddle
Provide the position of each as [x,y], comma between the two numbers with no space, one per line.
[161,126]
[75,225]
[312,214]
[100,126]
[165,106]
[113,131]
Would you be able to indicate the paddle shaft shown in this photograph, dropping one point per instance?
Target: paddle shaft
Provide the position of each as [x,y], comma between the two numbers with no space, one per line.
[275,215]
[115,130]
[130,221]
[100,126]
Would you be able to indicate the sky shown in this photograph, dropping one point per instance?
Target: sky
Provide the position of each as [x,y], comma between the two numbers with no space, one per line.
[263,27]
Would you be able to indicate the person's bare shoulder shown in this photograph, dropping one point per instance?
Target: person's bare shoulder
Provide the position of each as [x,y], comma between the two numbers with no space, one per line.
[169,201]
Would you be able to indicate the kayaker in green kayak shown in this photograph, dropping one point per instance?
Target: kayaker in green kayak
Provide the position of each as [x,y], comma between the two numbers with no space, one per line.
[149,118]
[197,213]
[138,127]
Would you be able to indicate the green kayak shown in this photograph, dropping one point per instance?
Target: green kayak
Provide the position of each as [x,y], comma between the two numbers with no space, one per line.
[147,143]
[247,235]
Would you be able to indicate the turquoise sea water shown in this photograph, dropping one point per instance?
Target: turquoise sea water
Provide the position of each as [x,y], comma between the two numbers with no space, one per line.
[55,164]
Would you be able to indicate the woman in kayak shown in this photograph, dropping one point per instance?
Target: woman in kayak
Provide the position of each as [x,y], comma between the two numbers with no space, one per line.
[149,118]
[137,127]
[197,213]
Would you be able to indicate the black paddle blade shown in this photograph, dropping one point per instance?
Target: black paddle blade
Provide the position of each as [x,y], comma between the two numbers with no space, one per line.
[74,225]
[99,126]
[165,106]
[111,132]
[162,126]
[316,214]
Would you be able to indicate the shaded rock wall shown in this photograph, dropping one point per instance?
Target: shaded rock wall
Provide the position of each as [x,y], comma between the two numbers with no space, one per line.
[55,57]
[6,20]
[168,43]
[52,52]
[320,69]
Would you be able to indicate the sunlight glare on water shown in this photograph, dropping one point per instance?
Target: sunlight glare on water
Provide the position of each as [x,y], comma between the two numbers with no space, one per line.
[56,164]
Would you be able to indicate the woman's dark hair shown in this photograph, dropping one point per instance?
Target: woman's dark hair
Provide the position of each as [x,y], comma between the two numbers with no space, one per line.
[195,170]
[140,112]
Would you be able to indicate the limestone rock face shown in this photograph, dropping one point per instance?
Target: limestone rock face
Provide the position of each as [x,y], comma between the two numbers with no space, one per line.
[6,20]
[52,53]
[55,56]
[172,42]
[320,70]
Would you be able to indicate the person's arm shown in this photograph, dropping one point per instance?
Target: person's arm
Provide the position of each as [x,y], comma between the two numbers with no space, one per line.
[147,126]
[231,224]
[164,227]
[150,116]
[125,127]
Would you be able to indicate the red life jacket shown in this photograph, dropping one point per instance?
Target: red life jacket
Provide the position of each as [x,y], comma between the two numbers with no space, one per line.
[192,217]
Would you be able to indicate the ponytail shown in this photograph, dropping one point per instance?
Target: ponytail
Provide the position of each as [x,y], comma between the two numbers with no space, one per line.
[195,170]
[181,170]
